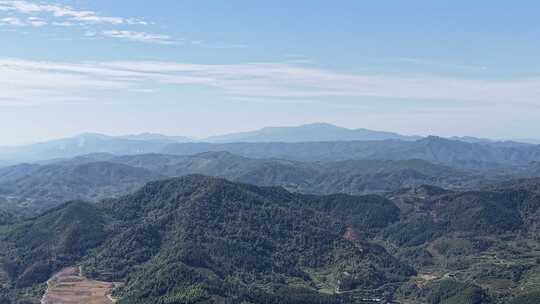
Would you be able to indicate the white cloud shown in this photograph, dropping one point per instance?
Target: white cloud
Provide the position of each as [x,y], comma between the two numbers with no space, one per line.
[139,36]
[13,21]
[65,23]
[36,22]
[28,13]
[224,46]
[16,21]
[446,65]
[28,79]
[204,44]
[65,12]
[21,13]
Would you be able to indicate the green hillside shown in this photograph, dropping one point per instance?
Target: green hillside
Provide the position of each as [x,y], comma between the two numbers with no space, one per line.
[226,241]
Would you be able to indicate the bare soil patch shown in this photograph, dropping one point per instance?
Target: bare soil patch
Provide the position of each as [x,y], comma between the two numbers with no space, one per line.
[70,287]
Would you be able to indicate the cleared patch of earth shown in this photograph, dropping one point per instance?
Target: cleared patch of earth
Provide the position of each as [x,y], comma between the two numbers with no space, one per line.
[70,287]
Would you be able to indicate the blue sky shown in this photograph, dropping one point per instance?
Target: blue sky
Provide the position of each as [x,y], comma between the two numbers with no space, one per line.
[200,68]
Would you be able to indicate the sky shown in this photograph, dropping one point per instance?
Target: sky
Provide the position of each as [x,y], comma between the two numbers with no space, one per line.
[200,68]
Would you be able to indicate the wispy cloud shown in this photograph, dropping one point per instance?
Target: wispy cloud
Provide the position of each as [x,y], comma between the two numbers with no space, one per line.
[36,22]
[64,23]
[207,45]
[18,22]
[139,36]
[23,79]
[15,14]
[64,12]
[298,59]
[22,13]
[13,21]
[446,65]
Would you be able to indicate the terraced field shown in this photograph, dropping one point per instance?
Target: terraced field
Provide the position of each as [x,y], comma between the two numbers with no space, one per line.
[70,287]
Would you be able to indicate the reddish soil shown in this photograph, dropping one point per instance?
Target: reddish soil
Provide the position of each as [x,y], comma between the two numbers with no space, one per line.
[351,235]
[69,287]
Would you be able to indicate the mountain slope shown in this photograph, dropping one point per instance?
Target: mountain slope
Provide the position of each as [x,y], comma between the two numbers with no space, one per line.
[353,177]
[16,172]
[34,188]
[79,145]
[6,217]
[5,163]
[60,237]
[433,149]
[512,207]
[203,240]
[154,137]
[476,246]
[198,239]
[308,133]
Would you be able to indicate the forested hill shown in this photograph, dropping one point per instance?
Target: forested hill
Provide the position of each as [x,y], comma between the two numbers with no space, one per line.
[6,217]
[351,176]
[478,246]
[32,188]
[433,149]
[198,239]
[206,240]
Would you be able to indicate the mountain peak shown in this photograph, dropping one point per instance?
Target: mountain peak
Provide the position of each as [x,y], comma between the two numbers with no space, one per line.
[197,184]
[89,135]
[314,132]
[156,137]
[322,125]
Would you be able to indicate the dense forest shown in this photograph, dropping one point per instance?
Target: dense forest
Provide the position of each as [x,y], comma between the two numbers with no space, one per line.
[199,239]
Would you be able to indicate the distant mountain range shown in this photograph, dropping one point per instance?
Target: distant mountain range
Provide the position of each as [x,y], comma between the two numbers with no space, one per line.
[5,163]
[305,143]
[153,143]
[438,150]
[33,188]
[307,133]
[154,137]
[79,145]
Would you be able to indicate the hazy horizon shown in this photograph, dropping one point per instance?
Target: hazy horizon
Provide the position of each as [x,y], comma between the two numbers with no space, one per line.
[202,138]
[198,69]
